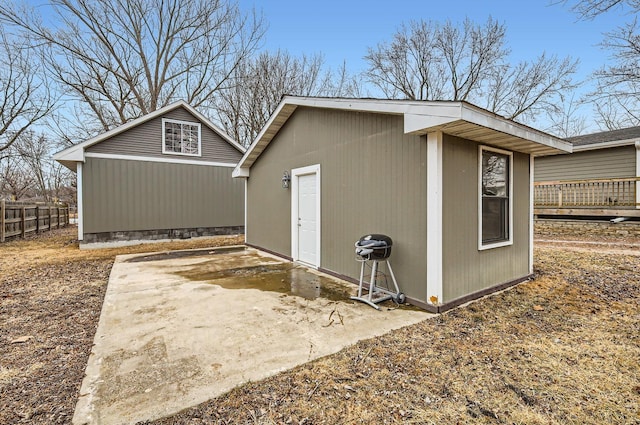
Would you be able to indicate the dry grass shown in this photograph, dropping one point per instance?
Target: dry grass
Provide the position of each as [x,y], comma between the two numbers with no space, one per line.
[562,349]
[50,297]
[61,246]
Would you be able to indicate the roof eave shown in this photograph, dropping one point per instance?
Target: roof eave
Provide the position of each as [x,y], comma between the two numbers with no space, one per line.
[485,127]
[76,152]
[420,117]
[605,145]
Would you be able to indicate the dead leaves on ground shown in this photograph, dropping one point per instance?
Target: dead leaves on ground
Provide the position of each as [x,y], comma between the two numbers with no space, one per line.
[560,349]
[50,300]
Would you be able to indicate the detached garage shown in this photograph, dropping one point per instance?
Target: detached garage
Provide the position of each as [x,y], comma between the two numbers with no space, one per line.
[449,182]
[164,175]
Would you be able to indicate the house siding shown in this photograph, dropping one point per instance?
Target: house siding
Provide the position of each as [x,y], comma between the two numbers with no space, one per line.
[124,195]
[373,180]
[146,140]
[466,269]
[616,162]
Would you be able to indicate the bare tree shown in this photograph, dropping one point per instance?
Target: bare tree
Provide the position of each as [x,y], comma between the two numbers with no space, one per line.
[568,122]
[124,58]
[409,66]
[33,151]
[24,94]
[261,83]
[528,90]
[344,84]
[617,96]
[612,113]
[429,61]
[30,161]
[616,99]
[16,181]
[589,9]
[61,183]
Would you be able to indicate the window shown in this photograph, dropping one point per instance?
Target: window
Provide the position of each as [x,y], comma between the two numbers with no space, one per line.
[180,137]
[495,218]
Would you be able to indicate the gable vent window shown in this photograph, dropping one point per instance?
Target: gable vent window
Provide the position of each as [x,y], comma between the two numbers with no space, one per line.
[180,137]
[495,220]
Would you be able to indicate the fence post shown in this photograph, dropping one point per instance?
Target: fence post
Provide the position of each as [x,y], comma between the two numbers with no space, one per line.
[3,212]
[37,219]
[49,226]
[23,221]
[560,197]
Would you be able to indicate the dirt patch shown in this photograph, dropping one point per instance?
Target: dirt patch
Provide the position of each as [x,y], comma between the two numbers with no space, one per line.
[623,247]
[50,300]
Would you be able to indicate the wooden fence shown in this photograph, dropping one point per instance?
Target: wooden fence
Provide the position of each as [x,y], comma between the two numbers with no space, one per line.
[596,193]
[18,219]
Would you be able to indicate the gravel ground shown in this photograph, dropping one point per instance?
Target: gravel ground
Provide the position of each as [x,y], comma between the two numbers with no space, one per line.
[561,349]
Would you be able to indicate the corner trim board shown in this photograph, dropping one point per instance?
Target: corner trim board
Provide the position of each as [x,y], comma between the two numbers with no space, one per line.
[637,144]
[531,209]
[80,199]
[434,218]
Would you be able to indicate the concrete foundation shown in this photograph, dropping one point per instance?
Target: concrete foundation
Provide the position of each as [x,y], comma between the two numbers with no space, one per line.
[581,228]
[160,234]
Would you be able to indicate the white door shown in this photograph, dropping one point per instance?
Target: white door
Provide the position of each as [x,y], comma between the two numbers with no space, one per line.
[306,212]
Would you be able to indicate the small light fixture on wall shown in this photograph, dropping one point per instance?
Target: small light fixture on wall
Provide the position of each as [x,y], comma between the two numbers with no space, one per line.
[285,180]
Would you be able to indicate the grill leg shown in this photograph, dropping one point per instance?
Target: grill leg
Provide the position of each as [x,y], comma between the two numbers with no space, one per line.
[372,283]
[393,277]
[361,279]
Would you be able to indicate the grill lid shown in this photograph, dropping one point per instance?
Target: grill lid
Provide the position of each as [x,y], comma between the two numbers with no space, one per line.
[375,240]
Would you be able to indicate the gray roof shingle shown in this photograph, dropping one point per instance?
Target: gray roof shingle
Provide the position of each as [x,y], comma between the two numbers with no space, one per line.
[605,136]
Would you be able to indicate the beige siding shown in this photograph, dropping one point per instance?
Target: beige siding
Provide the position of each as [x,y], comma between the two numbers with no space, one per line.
[466,269]
[373,180]
[122,195]
[601,163]
[146,140]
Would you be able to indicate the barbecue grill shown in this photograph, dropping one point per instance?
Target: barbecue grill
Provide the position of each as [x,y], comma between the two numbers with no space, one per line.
[376,248]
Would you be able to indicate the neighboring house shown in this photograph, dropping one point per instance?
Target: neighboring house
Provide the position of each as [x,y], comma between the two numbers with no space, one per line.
[449,182]
[599,179]
[164,175]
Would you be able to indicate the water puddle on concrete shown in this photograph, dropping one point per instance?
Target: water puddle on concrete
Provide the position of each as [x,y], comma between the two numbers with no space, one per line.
[284,278]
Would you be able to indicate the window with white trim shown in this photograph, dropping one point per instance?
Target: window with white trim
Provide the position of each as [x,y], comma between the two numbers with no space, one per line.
[496,192]
[180,137]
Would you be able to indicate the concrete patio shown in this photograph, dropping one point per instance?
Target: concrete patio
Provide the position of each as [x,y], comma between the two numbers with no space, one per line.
[180,328]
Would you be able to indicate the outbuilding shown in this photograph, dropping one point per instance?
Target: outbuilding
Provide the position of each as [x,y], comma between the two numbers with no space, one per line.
[600,180]
[449,182]
[164,175]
